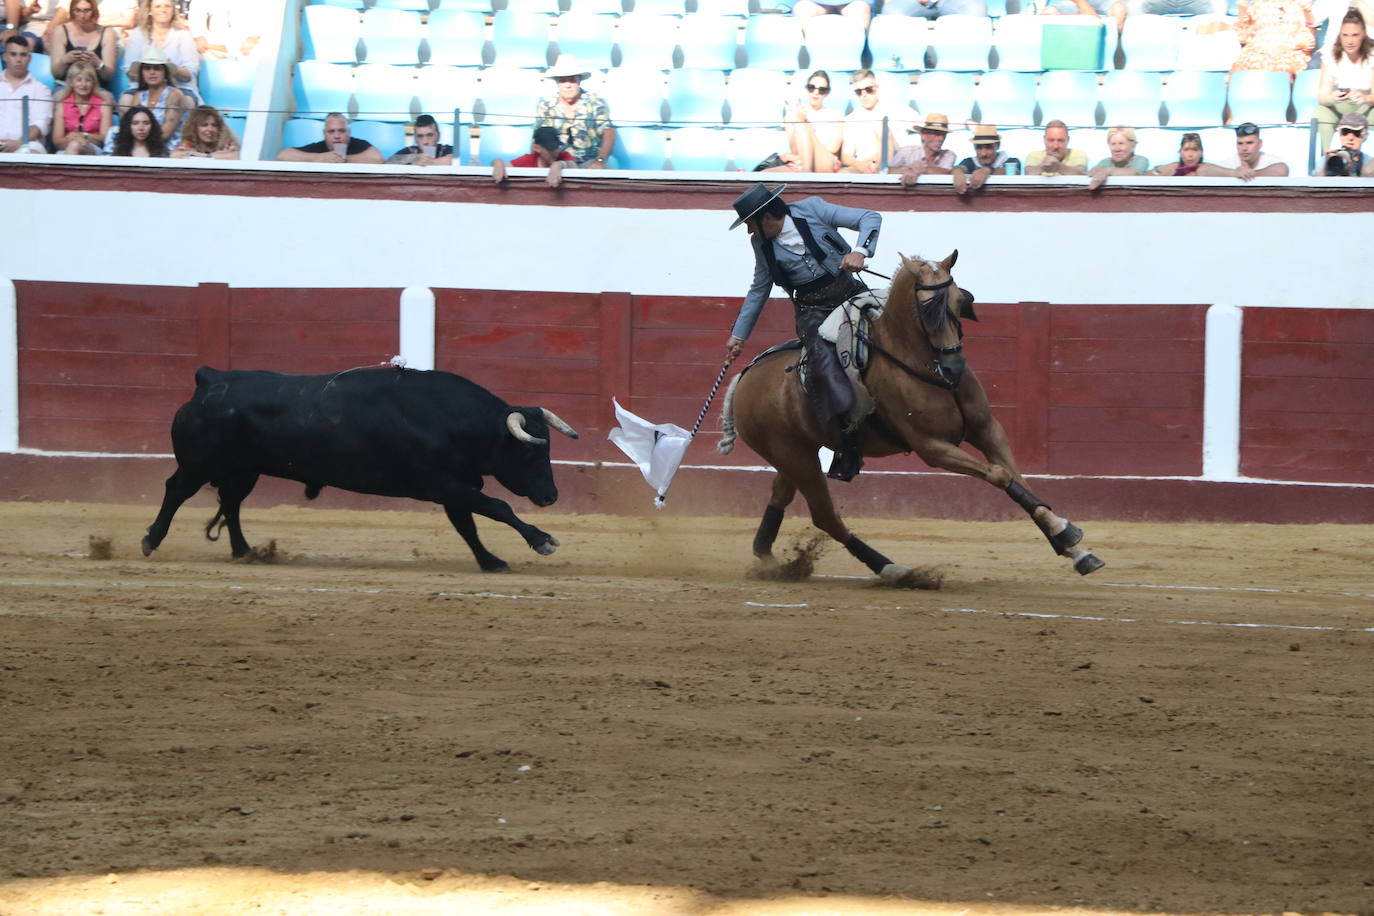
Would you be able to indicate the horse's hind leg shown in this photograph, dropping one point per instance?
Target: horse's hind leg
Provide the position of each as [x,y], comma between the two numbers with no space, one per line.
[181,486]
[769,525]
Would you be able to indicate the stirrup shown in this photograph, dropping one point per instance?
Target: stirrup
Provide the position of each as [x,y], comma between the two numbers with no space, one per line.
[846,464]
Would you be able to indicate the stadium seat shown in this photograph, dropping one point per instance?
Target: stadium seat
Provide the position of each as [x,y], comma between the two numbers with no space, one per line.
[1150,42]
[647,40]
[1069,96]
[1007,98]
[1131,97]
[589,36]
[414,6]
[960,42]
[388,138]
[1304,95]
[947,92]
[355,5]
[227,83]
[1195,98]
[391,36]
[833,42]
[457,38]
[1108,44]
[441,90]
[384,92]
[699,149]
[597,7]
[237,126]
[708,42]
[635,95]
[894,88]
[544,7]
[640,147]
[737,8]
[498,141]
[1213,51]
[466,6]
[507,106]
[774,42]
[322,87]
[658,7]
[755,144]
[301,131]
[756,97]
[520,38]
[1018,142]
[1261,96]
[898,42]
[1016,40]
[696,96]
[40,65]
[331,33]
[1291,144]
[1158,144]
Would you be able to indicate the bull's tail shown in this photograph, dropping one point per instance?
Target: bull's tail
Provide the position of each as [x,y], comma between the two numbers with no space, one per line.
[211,532]
[727,419]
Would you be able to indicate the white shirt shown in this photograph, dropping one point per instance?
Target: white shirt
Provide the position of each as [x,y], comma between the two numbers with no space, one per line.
[12,111]
[1265,160]
[1348,74]
[863,129]
[790,238]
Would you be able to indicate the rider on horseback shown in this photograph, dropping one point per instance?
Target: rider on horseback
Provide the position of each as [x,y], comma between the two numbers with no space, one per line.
[799,248]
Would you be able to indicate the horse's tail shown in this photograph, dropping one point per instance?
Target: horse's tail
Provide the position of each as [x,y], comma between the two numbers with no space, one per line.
[727,419]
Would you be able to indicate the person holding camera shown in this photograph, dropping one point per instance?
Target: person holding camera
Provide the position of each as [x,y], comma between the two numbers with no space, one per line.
[1346,83]
[1347,159]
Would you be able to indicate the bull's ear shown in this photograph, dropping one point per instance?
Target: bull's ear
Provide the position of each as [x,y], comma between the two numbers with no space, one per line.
[966,305]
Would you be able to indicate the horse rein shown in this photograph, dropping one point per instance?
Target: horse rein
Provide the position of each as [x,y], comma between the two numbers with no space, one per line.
[937,376]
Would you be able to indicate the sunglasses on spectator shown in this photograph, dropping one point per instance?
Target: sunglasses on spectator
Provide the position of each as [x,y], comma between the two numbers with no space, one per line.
[864,90]
[1351,132]
[812,87]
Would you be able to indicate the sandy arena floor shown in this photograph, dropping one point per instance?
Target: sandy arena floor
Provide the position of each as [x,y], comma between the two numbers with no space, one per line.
[369,725]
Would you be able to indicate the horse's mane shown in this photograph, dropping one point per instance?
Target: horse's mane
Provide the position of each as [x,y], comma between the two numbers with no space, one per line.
[903,289]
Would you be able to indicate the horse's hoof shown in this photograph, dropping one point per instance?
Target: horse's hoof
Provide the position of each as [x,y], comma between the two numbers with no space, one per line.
[1067,538]
[148,546]
[498,568]
[547,547]
[1088,563]
[894,575]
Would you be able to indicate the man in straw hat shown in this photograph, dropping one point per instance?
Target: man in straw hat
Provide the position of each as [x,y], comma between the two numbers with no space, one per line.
[582,119]
[799,248]
[929,157]
[987,159]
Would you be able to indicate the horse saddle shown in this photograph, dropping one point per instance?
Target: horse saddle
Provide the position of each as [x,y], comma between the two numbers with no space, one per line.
[847,328]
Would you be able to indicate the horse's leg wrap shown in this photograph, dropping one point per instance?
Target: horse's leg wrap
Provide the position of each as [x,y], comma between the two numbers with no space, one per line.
[768,531]
[1062,540]
[866,555]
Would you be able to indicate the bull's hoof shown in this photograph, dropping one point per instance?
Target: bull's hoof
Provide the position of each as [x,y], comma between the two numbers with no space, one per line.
[148,546]
[1065,539]
[1087,563]
[547,547]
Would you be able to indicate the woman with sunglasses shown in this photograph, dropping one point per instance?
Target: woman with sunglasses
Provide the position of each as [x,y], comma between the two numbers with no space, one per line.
[814,131]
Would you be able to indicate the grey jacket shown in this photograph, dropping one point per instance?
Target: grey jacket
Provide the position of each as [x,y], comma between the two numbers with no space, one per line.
[823,219]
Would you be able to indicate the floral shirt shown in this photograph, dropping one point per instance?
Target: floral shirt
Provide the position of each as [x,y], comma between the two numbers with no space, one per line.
[1275,35]
[581,134]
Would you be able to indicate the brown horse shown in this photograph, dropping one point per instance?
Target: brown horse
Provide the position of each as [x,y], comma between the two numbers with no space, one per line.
[927,401]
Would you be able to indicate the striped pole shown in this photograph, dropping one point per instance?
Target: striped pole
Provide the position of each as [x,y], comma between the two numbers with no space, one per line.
[709,398]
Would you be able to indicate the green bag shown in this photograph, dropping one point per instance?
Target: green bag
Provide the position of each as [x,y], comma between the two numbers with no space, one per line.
[1072,45]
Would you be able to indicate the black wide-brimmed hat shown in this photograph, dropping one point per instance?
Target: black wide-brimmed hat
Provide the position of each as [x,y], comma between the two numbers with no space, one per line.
[748,204]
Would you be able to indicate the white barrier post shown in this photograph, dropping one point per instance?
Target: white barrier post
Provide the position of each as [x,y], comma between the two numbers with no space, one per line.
[1221,394]
[417,327]
[9,368]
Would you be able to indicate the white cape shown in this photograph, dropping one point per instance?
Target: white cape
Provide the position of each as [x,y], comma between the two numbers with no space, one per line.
[656,448]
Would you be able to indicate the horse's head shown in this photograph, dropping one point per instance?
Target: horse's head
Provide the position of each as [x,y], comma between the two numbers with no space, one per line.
[925,287]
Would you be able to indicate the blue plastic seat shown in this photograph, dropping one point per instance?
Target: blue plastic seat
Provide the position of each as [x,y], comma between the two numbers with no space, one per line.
[1108,35]
[1131,97]
[387,137]
[597,7]
[384,92]
[1305,95]
[546,7]
[659,7]
[520,38]
[1069,96]
[301,131]
[1150,42]
[510,95]
[756,97]
[1195,98]
[590,36]
[642,148]
[322,87]
[467,6]
[708,42]
[236,125]
[356,5]
[774,42]
[498,141]
[752,145]
[738,8]
[696,96]
[950,93]
[414,6]
[634,94]
[457,38]
[40,65]
[647,40]
[960,42]
[898,42]
[1017,39]
[331,33]
[392,36]
[1211,51]
[1007,98]
[227,83]
[834,42]
[699,149]
[1261,96]
[441,90]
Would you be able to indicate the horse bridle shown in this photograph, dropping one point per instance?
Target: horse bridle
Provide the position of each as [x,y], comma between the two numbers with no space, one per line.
[932,313]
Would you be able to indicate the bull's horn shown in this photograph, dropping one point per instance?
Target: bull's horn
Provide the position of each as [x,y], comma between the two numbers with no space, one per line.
[515,422]
[552,419]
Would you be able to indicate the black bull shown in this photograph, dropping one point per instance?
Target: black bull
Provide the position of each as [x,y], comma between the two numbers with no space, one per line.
[431,436]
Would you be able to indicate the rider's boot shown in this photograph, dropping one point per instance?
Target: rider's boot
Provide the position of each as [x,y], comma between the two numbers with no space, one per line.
[849,460]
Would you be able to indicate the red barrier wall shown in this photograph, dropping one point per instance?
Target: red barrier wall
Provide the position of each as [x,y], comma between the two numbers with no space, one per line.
[1307,382]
